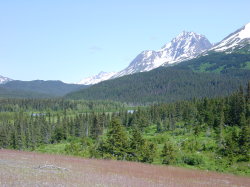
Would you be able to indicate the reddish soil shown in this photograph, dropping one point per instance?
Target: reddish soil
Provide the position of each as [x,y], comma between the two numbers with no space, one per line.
[18,168]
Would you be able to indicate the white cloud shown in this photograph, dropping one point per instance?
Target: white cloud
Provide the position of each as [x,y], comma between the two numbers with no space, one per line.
[94,49]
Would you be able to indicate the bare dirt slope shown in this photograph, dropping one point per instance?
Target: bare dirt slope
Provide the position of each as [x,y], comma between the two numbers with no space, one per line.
[19,168]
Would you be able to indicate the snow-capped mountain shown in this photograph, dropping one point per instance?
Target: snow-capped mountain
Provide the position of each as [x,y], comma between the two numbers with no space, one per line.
[236,40]
[4,80]
[186,45]
[102,76]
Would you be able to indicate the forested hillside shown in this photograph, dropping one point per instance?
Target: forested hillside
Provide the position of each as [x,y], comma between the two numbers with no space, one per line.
[10,93]
[162,85]
[204,133]
[36,89]
[218,62]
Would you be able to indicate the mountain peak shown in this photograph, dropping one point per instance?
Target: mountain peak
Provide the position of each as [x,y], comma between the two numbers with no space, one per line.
[187,33]
[184,46]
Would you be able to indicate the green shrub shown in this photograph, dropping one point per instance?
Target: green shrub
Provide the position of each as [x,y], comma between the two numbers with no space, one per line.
[192,159]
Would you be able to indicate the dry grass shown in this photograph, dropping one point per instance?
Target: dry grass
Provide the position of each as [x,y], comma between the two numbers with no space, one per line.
[19,168]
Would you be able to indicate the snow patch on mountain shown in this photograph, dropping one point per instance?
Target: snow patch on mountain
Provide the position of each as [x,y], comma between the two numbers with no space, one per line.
[245,33]
[186,45]
[102,76]
[237,39]
[4,80]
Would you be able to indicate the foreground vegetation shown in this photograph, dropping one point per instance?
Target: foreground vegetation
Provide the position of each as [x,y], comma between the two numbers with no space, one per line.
[211,134]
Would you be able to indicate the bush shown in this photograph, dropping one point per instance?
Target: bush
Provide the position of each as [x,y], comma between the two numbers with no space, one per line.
[73,149]
[192,159]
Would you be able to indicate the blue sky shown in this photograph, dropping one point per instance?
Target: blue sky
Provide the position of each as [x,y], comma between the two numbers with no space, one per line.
[71,39]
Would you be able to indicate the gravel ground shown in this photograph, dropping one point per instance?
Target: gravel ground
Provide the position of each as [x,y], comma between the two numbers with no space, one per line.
[18,168]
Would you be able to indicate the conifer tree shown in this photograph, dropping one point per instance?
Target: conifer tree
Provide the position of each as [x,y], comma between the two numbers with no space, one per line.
[96,128]
[116,144]
[248,92]
[168,153]
[137,144]
[159,126]
[244,138]
[149,150]
[3,137]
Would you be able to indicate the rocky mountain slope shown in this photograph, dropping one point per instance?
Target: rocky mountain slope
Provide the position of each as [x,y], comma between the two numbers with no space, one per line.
[185,46]
[235,41]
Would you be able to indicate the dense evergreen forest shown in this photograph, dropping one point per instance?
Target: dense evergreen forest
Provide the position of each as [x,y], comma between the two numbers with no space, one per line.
[9,93]
[163,85]
[208,133]
[57,105]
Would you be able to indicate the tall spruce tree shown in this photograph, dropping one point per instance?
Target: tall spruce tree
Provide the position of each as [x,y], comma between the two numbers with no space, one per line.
[168,153]
[116,144]
[97,127]
[137,144]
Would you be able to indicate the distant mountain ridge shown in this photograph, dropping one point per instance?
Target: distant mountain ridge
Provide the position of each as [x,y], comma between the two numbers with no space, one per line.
[37,89]
[186,46]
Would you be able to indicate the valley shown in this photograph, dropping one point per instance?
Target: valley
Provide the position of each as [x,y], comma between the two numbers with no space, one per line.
[208,134]
[177,116]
